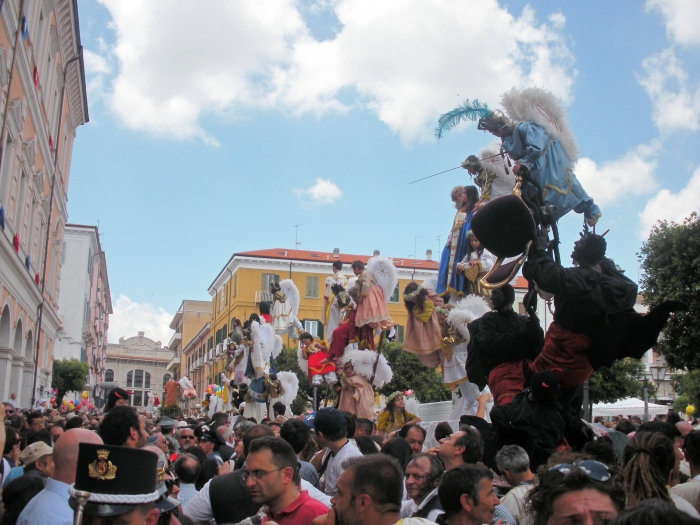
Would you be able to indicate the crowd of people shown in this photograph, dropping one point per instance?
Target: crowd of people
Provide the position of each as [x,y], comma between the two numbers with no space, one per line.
[331,468]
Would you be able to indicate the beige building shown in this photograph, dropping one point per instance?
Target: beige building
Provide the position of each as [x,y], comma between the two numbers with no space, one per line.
[187,322]
[139,365]
[42,103]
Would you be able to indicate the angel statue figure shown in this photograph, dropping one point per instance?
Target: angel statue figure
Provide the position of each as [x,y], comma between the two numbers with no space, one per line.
[489,173]
[285,307]
[534,131]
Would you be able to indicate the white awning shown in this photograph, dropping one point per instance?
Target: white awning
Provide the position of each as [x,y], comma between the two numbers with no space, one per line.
[628,407]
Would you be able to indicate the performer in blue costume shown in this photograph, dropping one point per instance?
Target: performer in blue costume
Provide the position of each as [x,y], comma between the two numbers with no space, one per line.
[451,282]
[530,145]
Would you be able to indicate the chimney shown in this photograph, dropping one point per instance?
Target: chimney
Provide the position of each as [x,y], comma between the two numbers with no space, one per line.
[376,252]
[428,255]
[336,253]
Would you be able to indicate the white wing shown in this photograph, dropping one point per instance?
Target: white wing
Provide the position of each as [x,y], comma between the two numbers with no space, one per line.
[539,105]
[475,305]
[185,383]
[303,363]
[290,386]
[430,283]
[291,292]
[459,319]
[384,272]
[412,405]
[363,363]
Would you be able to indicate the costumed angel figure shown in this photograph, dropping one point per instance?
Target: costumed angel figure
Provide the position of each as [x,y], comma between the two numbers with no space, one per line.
[285,307]
[238,350]
[357,394]
[149,404]
[422,336]
[282,387]
[450,280]
[490,174]
[476,263]
[373,289]
[266,345]
[313,359]
[534,131]
[345,334]
[187,388]
[328,295]
[216,401]
[455,341]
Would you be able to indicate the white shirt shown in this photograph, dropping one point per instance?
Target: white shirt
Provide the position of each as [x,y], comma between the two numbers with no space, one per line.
[409,507]
[49,507]
[199,507]
[684,506]
[514,501]
[335,465]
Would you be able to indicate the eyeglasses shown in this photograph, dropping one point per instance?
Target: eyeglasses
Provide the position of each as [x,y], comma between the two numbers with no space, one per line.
[258,474]
[188,437]
[595,470]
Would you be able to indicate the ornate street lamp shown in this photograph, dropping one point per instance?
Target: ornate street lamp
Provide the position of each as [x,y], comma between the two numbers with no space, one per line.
[658,374]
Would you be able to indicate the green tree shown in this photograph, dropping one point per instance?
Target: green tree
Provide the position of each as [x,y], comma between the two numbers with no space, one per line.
[69,375]
[172,411]
[411,374]
[623,379]
[670,259]
[687,386]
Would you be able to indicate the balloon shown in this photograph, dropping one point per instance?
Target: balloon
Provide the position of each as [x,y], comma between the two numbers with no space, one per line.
[84,395]
[690,410]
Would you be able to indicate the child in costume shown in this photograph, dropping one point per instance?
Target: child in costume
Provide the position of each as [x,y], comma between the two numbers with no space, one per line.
[476,263]
[394,416]
[423,332]
[345,334]
[285,308]
[328,310]
[356,394]
[374,287]
[313,359]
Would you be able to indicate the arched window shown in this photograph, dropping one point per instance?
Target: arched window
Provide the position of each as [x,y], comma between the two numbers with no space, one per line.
[147,381]
[109,375]
[130,378]
[138,379]
[166,378]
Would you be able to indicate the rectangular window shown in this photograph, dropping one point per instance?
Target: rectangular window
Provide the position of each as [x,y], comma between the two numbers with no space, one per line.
[138,379]
[235,285]
[147,382]
[314,327]
[395,296]
[267,278]
[138,398]
[399,333]
[312,287]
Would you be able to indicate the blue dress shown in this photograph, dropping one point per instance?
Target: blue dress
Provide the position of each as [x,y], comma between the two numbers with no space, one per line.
[532,146]
[450,281]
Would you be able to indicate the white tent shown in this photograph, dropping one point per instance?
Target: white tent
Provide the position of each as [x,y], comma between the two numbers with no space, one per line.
[628,407]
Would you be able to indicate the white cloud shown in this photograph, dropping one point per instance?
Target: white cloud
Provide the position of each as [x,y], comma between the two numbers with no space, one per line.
[681,19]
[609,182]
[671,206]
[130,318]
[675,98]
[95,63]
[323,192]
[405,60]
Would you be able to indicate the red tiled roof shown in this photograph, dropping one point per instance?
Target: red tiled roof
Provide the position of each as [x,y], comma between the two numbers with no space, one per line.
[311,255]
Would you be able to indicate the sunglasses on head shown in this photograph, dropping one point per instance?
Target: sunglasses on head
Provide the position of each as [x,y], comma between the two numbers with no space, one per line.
[595,470]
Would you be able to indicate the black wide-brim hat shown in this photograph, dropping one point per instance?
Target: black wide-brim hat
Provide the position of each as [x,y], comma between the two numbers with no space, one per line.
[504,226]
[119,479]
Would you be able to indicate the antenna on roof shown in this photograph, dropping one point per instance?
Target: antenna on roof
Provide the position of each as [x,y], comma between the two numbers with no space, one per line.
[297,242]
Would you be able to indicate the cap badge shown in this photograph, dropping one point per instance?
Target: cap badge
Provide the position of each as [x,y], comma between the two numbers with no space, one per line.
[101,468]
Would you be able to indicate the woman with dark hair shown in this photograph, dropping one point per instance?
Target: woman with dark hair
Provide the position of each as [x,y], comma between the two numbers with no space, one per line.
[17,494]
[648,461]
[366,445]
[394,416]
[400,450]
[584,492]
[654,512]
[423,331]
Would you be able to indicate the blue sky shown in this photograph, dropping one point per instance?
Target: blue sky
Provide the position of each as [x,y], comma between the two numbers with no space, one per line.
[212,126]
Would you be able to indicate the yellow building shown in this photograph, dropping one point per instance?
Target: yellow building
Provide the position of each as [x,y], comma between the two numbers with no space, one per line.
[244,282]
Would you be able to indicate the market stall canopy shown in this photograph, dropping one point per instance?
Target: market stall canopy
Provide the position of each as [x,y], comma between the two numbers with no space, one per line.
[628,407]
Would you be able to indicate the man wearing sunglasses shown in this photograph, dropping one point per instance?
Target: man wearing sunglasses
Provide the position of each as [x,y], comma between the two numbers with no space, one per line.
[186,438]
[9,410]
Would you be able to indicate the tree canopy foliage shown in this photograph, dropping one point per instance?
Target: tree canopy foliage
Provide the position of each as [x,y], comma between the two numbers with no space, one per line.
[687,386]
[670,259]
[69,375]
[622,380]
[411,374]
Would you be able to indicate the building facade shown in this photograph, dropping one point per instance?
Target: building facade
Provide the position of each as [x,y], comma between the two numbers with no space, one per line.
[85,303]
[187,322]
[195,366]
[139,365]
[42,102]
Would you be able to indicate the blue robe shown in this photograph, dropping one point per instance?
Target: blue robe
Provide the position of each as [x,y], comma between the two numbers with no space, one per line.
[532,146]
[457,281]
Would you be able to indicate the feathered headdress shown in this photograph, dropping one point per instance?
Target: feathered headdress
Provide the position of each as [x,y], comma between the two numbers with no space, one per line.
[291,292]
[384,272]
[465,311]
[468,110]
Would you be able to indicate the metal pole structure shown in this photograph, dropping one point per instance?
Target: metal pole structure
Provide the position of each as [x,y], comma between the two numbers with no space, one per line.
[586,402]
[48,223]
[315,398]
[646,401]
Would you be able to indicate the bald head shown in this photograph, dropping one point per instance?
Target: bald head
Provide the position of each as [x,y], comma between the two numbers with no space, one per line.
[65,452]
[684,427]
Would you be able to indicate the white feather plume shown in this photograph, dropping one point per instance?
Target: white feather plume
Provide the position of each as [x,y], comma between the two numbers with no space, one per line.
[411,404]
[291,292]
[475,305]
[504,182]
[265,342]
[430,283]
[185,383]
[459,319]
[303,363]
[384,272]
[539,105]
[290,386]
[363,363]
